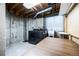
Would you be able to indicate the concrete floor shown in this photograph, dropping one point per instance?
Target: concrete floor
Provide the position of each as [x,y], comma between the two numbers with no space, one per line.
[18,49]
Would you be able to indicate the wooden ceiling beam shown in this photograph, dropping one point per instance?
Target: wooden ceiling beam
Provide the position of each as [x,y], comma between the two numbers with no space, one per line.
[20,10]
[34,9]
[28,12]
[12,7]
[41,5]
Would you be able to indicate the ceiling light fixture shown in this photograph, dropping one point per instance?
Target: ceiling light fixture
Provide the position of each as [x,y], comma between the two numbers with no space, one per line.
[29,5]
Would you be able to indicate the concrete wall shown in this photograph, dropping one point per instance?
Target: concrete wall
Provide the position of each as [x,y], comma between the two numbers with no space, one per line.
[18,27]
[15,29]
[73,23]
[2,29]
[34,24]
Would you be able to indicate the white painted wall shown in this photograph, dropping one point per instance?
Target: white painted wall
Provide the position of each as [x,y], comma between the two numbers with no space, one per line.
[73,23]
[2,29]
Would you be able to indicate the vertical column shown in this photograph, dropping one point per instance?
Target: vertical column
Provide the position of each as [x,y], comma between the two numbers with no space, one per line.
[25,30]
[65,23]
[2,29]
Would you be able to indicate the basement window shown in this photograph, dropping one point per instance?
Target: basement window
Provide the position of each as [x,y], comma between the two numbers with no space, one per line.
[54,23]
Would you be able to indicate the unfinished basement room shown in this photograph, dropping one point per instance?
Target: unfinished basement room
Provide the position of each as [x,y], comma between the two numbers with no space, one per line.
[39,29]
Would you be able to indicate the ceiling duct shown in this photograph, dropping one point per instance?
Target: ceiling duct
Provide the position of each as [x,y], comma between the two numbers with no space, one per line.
[43,11]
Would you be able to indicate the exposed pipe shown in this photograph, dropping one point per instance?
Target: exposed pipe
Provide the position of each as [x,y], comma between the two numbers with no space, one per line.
[45,10]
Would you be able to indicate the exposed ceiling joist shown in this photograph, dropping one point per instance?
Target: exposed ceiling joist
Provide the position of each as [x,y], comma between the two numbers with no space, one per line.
[28,12]
[14,6]
[17,12]
[20,10]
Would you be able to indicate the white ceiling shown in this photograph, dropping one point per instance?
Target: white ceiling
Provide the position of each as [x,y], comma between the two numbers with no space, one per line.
[64,8]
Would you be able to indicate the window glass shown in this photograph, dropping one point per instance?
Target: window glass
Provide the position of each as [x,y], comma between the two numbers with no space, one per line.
[54,23]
